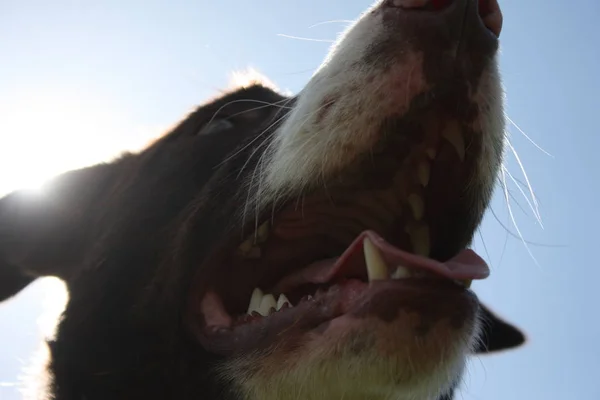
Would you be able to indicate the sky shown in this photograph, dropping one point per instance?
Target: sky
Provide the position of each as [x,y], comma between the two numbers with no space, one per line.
[81,81]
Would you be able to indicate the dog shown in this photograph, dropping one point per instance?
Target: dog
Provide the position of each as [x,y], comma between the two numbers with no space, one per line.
[287,247]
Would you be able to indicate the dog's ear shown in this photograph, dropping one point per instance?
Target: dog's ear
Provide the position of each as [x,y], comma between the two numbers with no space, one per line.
[45,233]
[497,334]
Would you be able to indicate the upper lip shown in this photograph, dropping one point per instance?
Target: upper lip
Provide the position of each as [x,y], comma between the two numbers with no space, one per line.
[466,266]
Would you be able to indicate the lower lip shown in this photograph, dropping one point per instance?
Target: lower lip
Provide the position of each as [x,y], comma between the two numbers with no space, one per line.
[431,300]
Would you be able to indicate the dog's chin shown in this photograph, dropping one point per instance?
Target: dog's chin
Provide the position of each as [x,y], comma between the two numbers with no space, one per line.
[416,351]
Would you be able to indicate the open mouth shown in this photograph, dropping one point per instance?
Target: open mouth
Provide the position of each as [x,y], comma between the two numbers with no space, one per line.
[369,248]
[389,229]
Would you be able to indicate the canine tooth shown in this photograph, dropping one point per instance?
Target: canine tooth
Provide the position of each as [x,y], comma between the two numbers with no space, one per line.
[249,250]
[262,233]
[401,273]
[268,302]
[453,134]
[246,246]
[282,301]
[376,267]
[255,300]
[419,237]
[417,206]
[424,172]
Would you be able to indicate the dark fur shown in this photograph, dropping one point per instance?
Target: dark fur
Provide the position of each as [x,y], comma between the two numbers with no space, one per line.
[118,235]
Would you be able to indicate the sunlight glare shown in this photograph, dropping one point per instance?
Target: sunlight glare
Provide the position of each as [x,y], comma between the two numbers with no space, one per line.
[45,133]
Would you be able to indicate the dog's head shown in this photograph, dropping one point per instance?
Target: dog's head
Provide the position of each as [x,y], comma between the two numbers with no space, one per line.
[273,247]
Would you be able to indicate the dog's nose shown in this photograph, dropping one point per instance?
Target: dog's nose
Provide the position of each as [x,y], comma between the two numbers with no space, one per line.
[488,11]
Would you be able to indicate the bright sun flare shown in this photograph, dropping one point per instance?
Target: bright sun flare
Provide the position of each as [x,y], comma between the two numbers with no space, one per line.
[43,134]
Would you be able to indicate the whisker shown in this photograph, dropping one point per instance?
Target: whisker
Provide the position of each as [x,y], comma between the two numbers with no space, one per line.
[257,147]
[535,244]
[306,39]
[256,176]
[514,221]
[257,172]
[504,248]
[521,183]
[531,192]
[537,217]
[528,138]
[514,199]
[265,103]
[257,136]
[487,253]
[333,21]
[260,192]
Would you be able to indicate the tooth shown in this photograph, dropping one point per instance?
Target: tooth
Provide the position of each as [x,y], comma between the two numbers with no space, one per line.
[431,153]
[424,172]
[401,273]
[376,267]
[255,300]
[249,250]
[453,134]
[419,236]
[262,233]
[417,206]
[246,246]
[282,301]
[268,302]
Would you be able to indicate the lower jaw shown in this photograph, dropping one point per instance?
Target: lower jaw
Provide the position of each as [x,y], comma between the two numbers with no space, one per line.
[345,306]
[418,352]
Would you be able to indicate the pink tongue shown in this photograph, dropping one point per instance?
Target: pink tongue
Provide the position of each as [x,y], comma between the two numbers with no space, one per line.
[466,265]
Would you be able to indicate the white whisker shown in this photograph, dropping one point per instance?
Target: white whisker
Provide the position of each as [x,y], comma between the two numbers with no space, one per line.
[537,217]
[533,197]
[487,253]
[503,248]
[265,105]
[503,174]
[286,101]
[257,172]
[510,233]
[528,138]
[514,199]
[334,21]
[275,122]
[306,39]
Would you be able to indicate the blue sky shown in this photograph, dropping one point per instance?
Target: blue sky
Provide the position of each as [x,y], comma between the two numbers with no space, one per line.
[80,81]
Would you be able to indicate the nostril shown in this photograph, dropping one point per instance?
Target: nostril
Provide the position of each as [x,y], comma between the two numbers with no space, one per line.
[491,15]
[488,11]
[433,5]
